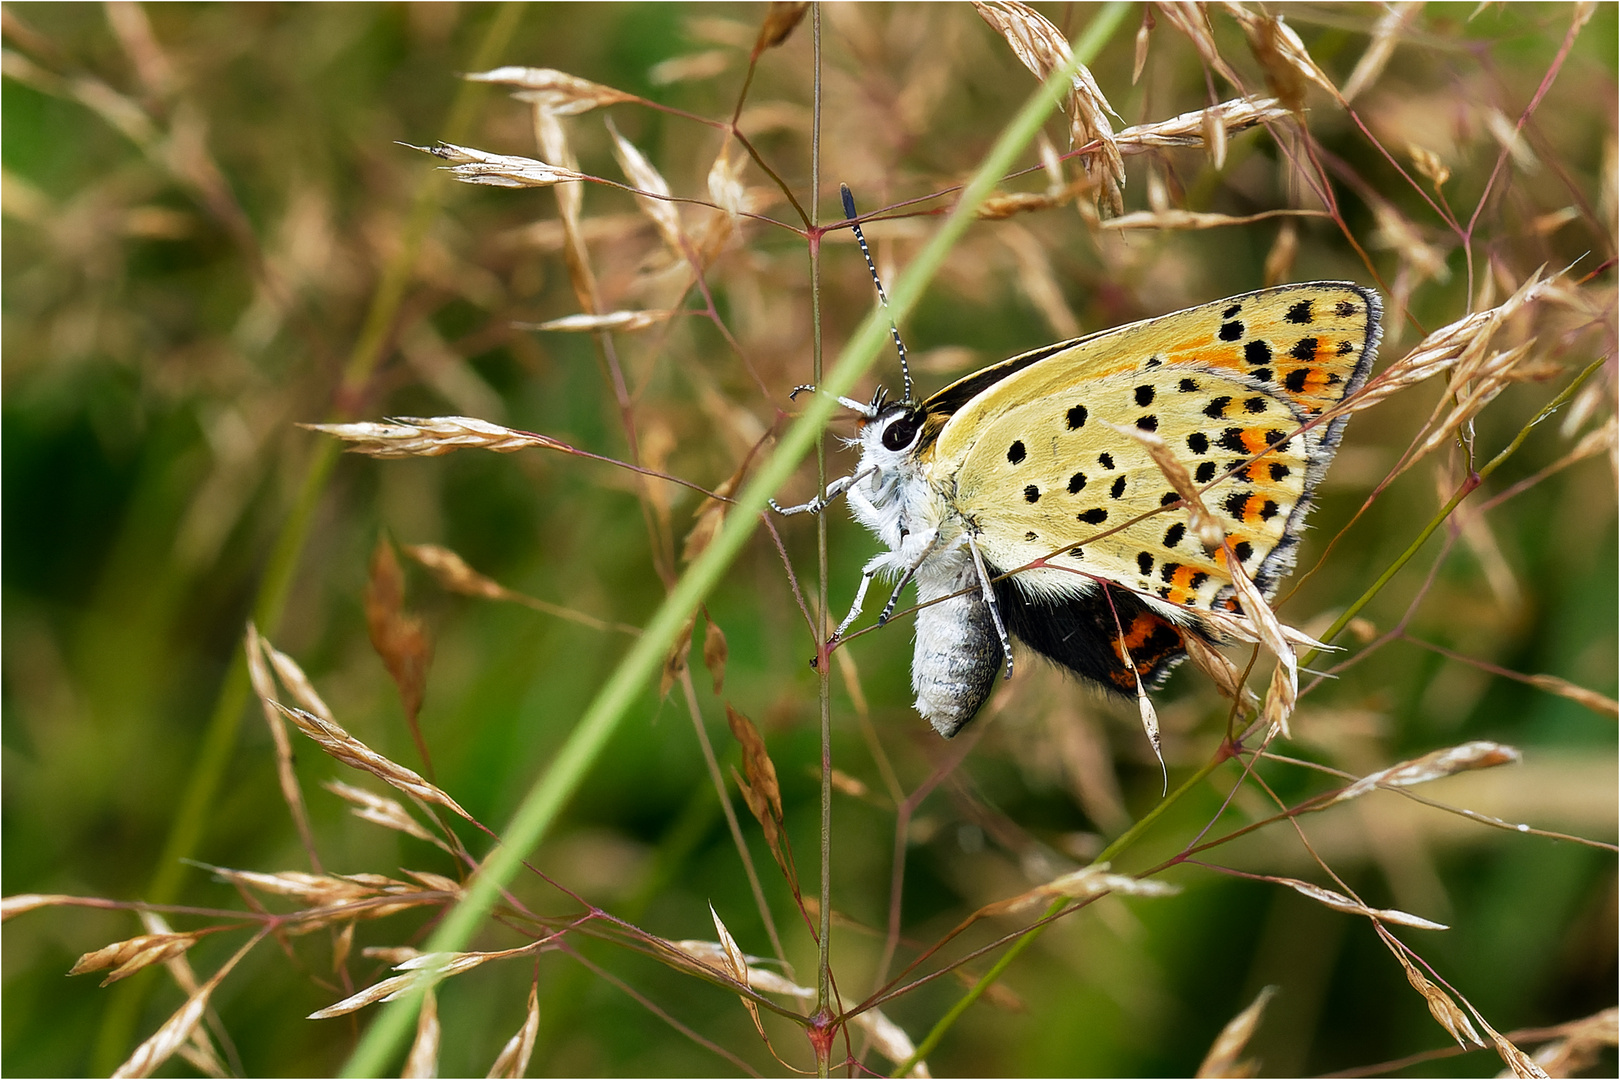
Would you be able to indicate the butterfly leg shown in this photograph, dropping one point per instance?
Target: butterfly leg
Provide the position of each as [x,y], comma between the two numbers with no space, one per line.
[868,572]
[818,504]
[929,541]
[990,601]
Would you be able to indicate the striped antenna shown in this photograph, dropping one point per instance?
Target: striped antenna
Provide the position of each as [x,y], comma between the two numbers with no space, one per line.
[883,298]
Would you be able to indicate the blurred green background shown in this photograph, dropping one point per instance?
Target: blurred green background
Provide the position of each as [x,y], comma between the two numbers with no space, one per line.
[202,204]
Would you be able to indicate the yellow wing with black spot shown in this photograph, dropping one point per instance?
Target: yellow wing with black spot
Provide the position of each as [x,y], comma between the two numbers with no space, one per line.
[1029,458]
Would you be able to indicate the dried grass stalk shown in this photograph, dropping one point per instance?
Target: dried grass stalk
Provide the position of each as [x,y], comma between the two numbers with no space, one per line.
[177,1029]
[1086,883]
[175,1033]
[889,1039]
[264,686]
[380,811]
[423,1059]
[735,964]
[1441,1006]
[356,754]
[558,91]
[553,142]
[430,436]
[1283,57]
[608,320]
[473,166]
[399,637]
[1193,20]
[1518,1062]
[1282,696]
[1042,48]
[1431,766]
[1460,345]
[1203,524]
[1193,128]
[1266,624]
[24,902]
[1175,218]
[430,968]
[1579,1043]
[513,1060]
[1385,36]
[199,1051]
[453,573]
[1340,902]
[780,20]
[1222,1059]
[715,652]
[1591,699]
[712,955]
[132,954]
[652,192]
[1228,678]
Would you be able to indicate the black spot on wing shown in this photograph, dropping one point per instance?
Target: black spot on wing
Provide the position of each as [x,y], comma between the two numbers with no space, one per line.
[1015,452]
[1173,535]
[1144,562]
[1076,482]
[1254,405]
[1169,498]
[1232,312]
[1032,493]
[1077,417]
[1205,472]
[1257,352]
[1106,460]
[1279,471]
[1295,380]
[1095,516]
[1344,309]
[1217,407]
[1304,349]
[1198,442]
[1148,422]
[1144,395]
[1232,331]
[1118,489]
[1243,550]
[1300,313]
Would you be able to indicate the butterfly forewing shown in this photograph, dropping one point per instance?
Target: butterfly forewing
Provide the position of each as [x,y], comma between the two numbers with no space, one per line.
[1315,342]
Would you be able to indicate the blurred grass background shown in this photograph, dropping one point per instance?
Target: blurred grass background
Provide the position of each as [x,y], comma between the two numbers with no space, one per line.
[199,204]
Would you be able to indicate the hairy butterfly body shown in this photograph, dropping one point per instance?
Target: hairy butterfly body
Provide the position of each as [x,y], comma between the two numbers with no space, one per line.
[1018,506]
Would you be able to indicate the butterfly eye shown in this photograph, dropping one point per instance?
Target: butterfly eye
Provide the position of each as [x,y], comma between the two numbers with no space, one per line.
[898,435]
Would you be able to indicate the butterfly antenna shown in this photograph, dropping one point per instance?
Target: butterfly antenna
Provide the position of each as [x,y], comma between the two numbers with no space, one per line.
[883,298]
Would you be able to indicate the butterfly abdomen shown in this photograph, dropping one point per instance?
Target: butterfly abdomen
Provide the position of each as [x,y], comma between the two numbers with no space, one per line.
[958,654]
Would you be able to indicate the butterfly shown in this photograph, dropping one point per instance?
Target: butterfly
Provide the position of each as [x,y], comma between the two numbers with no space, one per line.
[1019,508]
